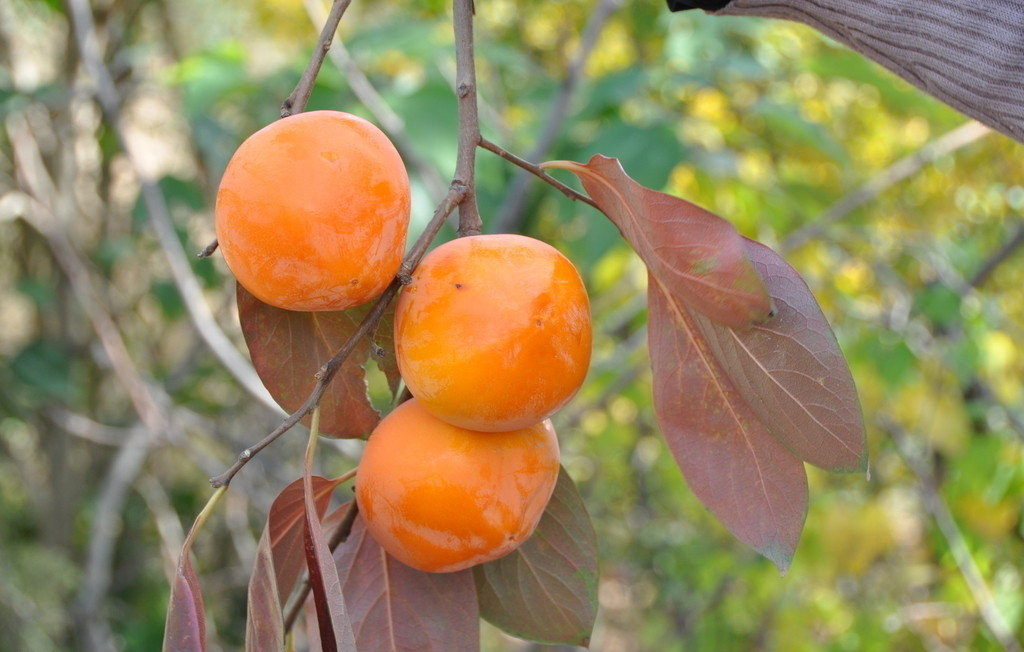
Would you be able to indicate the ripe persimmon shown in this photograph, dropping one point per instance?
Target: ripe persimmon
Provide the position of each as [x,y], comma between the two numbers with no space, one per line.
[313,210]
[493,332]
[441,498]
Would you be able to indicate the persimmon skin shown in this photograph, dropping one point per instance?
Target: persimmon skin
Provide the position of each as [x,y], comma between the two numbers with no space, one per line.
[313,210]
[493,332]
[440,498]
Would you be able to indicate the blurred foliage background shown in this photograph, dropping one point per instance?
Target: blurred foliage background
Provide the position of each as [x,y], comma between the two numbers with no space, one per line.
[902,216]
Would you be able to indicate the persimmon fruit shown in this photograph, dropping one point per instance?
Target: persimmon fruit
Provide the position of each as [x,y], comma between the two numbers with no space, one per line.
[312,212]
[493,332]
[440,498]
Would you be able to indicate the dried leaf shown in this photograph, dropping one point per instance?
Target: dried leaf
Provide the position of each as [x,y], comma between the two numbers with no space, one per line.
[792,372]
[288,348]
[546,590]
[280,558]
[734,466]
[698,257]
[395,607]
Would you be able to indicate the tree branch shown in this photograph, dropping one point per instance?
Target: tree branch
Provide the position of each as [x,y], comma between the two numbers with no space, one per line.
[510,214]
[901,170]
[296,102]
[469,121]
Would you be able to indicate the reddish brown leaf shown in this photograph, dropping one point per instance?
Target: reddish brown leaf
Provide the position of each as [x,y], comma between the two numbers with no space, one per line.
[792,372]
[185,629]
[285,526]
[697,256]
[264,622]
[280,558]
[395,607]
[737,469]
[332,614]
[311,628]
[546,590]
[288,348]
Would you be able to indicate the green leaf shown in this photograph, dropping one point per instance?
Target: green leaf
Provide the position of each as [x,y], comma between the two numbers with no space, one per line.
[546,590]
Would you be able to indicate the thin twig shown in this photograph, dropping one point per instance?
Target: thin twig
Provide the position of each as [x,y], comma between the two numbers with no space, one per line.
[902,169]
[366,328]
[156,208]
[537,171]
[469,121]
[338,537]
[296,102]
[940,511]
[510,214]
[389,121]
[208,249]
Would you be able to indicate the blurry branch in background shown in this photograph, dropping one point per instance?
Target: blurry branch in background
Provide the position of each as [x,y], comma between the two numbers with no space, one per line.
[104,533]
[85,428]
[998,258]
[899,171]
[940,512]
[296,102]
[106,93]
[390,122]
[41,190]
[510,214]
[172,535]
[117,482]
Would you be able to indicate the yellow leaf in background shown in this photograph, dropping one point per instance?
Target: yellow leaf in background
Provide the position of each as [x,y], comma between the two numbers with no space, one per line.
[755,168]
[853,277]
[855,536]
[991,520]
[682,182]
[936,413]
[614,51]
[709,104]
[999,350]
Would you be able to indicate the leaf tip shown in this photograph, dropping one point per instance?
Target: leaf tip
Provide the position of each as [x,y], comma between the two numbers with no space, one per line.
[861,466]
[778,554]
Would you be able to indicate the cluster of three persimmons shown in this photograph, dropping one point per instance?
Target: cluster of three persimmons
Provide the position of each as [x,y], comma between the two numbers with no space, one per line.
[492,334]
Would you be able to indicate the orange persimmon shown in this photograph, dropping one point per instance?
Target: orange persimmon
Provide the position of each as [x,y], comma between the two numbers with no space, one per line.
[313,210]
[493,332]
[441,498]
